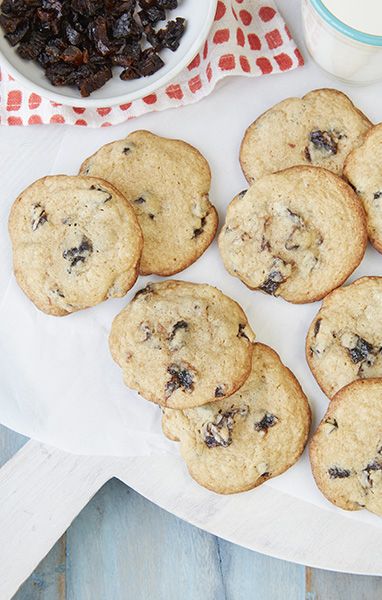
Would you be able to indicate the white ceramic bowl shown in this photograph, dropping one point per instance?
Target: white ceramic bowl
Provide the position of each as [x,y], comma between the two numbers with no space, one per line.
[199,15]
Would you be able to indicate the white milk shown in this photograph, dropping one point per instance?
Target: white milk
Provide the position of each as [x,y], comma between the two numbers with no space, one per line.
[337,52]
[364,15]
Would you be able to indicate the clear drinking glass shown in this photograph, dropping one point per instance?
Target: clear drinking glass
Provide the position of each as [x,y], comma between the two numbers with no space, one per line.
[341,50]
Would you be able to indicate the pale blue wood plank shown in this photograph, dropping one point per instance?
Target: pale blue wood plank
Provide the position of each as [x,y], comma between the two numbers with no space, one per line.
[123,547]
[325,585]
[253,576]
[47,581]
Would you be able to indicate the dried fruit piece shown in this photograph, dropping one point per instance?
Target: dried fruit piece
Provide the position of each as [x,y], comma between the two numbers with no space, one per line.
[145,291]
[272,283]
[78,254]
[324,141]
[39,216]
[200,229]
[220,391]
[317,326]
[338,473]
[182,376]
[360,351]
[177,337]
[65,36]
[219,431]
[333,424]
[267,421]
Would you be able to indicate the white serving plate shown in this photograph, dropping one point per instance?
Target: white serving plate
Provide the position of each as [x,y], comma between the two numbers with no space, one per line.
[199,15]
[42,488]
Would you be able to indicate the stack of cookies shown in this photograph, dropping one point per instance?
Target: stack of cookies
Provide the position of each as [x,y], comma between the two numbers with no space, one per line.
[314,166]
[237,411]
[141,206]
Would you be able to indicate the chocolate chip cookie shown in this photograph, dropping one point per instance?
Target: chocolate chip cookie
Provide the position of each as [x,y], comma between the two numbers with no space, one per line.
[319,129]
[76,242]
[182,344]
[297,234]
[344,342]
[237,443]
[167,183]
[363,169]
[346,450]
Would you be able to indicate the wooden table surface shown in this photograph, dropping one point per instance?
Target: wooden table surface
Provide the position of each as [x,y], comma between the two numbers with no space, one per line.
[123,547]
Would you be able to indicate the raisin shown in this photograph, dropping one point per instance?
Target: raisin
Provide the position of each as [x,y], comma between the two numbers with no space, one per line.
[338,473]
[31,48]
[242,194]
[272,283]
[64,36]
[377,195]
[139,200]
[307,154]
[266,422]
[170,36]
[181,377]
[39,216]
[176,327]
[317,326]
[265,244]
[151,15]
[73,55]
[144,291]
[122,26]
[332,422]
[220,391]
[374,465]
[129,74]
[200,229]
[361,351]
[146,331]
[219,431]
[78,254]
[323,140]
[149,63]
[241,333]
[297,220]
[126,150]
[94,81]
[168,4]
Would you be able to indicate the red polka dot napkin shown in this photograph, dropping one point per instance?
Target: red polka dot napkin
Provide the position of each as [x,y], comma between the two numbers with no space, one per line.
[248,37]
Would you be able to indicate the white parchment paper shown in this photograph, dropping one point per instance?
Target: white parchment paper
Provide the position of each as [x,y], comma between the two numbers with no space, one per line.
[58,382]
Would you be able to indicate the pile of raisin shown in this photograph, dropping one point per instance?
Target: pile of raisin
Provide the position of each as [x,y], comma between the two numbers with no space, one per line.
[77,42]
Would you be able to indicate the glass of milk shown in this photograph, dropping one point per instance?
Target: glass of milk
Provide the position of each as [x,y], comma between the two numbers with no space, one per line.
[344,37]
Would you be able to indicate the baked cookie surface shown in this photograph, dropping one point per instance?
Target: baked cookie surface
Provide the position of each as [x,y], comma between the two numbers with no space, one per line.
[237,443]
[363,169]
[182,344]
[344,341]
[167,183]
[297,234]
[346,450]
[319,129]
[76,242]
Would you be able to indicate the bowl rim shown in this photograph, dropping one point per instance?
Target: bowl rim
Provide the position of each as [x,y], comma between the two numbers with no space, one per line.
[124,98]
